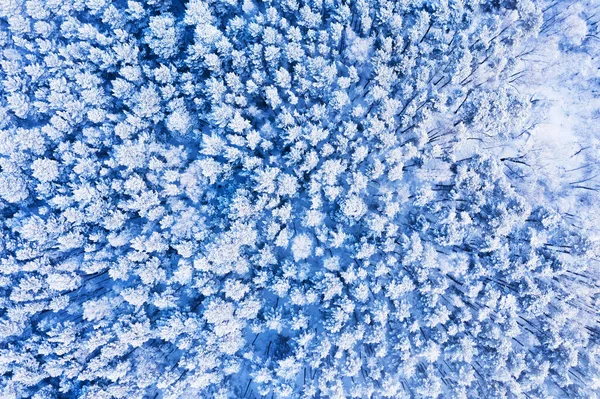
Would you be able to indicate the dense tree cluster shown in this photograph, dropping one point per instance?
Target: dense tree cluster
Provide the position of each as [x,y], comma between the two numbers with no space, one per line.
[289,199]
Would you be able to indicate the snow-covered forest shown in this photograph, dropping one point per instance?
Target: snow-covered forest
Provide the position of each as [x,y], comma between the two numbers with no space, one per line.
[301,199]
